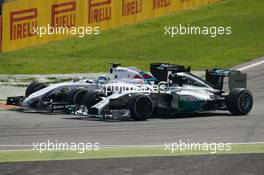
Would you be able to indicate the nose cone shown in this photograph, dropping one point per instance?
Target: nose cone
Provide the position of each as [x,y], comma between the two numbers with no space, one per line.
[26,103]
[29,102]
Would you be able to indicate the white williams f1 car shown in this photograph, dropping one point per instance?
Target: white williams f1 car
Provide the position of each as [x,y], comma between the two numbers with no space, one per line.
[131,93]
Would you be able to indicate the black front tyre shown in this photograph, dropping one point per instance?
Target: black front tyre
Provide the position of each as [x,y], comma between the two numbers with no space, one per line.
[75,96]
[141,107]
[92,97]
[34,87]
[239,101]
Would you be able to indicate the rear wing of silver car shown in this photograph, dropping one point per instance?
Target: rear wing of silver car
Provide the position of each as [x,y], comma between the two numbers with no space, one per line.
[221,78]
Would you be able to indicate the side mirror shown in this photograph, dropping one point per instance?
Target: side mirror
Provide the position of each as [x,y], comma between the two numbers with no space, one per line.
[176,79]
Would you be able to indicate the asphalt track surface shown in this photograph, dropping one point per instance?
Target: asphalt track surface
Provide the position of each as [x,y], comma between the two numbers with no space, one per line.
[18,128]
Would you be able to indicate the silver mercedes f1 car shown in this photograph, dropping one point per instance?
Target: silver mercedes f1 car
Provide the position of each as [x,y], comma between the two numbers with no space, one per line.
[128,92]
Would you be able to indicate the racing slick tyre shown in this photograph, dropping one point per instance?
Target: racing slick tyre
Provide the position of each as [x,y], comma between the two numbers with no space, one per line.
[75,96]
[34,87]
[92,97]
[239,101]
[141,107]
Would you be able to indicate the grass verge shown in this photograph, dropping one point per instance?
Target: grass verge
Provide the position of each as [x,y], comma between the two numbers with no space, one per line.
[30,155]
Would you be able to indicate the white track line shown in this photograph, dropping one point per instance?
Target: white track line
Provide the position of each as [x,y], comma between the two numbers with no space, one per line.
[251,65]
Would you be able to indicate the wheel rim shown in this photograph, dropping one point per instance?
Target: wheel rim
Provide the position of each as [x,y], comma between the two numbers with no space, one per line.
[245,102]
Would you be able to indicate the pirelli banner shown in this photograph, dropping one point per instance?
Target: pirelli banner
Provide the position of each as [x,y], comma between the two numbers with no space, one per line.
[21,17]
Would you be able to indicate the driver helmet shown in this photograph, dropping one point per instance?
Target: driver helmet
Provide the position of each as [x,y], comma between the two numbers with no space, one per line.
[102,79]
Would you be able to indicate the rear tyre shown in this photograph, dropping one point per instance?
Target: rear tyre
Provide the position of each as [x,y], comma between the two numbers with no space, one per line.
[34,87]
[141,107]
[239,101]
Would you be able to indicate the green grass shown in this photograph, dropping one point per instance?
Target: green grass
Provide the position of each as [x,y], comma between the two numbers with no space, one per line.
[29,155]
[141,44]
